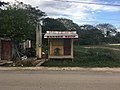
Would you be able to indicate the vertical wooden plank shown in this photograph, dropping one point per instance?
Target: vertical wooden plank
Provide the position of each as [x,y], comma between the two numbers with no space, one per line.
[51,50]
[48,48]
[67,46]
[72,48]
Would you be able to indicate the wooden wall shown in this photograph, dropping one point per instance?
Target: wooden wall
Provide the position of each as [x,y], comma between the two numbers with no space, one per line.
[56,43]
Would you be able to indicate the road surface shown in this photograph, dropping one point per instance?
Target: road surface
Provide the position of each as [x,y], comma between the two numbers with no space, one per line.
[59,80]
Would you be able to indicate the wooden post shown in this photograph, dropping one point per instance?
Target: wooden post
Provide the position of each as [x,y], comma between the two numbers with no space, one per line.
[72,48]
[38,41]
[0,49]
[48,48]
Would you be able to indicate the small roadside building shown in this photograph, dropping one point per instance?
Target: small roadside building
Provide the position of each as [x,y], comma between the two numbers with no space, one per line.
[60,44]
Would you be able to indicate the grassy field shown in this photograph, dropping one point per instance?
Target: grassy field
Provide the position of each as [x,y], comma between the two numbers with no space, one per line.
[91,56]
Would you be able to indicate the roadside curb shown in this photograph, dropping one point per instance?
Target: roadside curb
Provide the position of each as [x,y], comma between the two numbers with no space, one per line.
[106,69]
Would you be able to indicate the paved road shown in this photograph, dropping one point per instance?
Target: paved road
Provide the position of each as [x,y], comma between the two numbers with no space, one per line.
[59,80]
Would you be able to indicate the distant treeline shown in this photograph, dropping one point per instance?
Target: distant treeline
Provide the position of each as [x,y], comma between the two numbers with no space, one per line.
[18,22]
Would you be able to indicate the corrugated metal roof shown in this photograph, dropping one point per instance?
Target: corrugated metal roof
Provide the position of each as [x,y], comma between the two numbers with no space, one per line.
[61,34]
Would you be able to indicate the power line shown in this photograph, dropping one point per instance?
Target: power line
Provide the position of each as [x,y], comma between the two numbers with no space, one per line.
[88,3]
[110,19]
[96,21]
[102,19]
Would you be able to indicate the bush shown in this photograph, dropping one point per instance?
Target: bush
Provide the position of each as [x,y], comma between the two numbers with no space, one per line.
[25,63]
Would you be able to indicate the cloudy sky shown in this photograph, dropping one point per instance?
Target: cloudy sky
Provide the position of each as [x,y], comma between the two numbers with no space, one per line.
[80,11]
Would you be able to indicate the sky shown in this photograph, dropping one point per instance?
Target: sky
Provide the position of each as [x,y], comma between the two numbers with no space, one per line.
[80,13]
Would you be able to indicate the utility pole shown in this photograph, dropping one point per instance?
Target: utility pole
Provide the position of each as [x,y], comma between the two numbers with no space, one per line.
[39,41]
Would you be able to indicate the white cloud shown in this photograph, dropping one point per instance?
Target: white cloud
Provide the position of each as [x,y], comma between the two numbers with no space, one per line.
[111,9]
[74,11]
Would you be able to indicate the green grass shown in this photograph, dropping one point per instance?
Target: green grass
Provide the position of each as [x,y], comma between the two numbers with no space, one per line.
[89,57]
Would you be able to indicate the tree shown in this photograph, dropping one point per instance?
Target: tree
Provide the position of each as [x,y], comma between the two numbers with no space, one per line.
[51,24]
[88,34]
[69,24]
[107,29]
[3,3]
[118,34]
[87,27]
[18,21]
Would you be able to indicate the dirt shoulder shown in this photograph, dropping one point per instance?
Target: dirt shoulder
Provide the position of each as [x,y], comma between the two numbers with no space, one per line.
[104,48]
[107,69]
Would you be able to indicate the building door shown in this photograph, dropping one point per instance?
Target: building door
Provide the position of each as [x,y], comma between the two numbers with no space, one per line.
[6,50]
[67,46]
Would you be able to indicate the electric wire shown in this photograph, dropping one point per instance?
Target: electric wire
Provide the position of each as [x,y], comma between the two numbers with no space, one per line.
[108,4]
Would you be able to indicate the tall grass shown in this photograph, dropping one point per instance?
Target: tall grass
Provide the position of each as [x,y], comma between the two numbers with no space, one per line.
[89,57]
